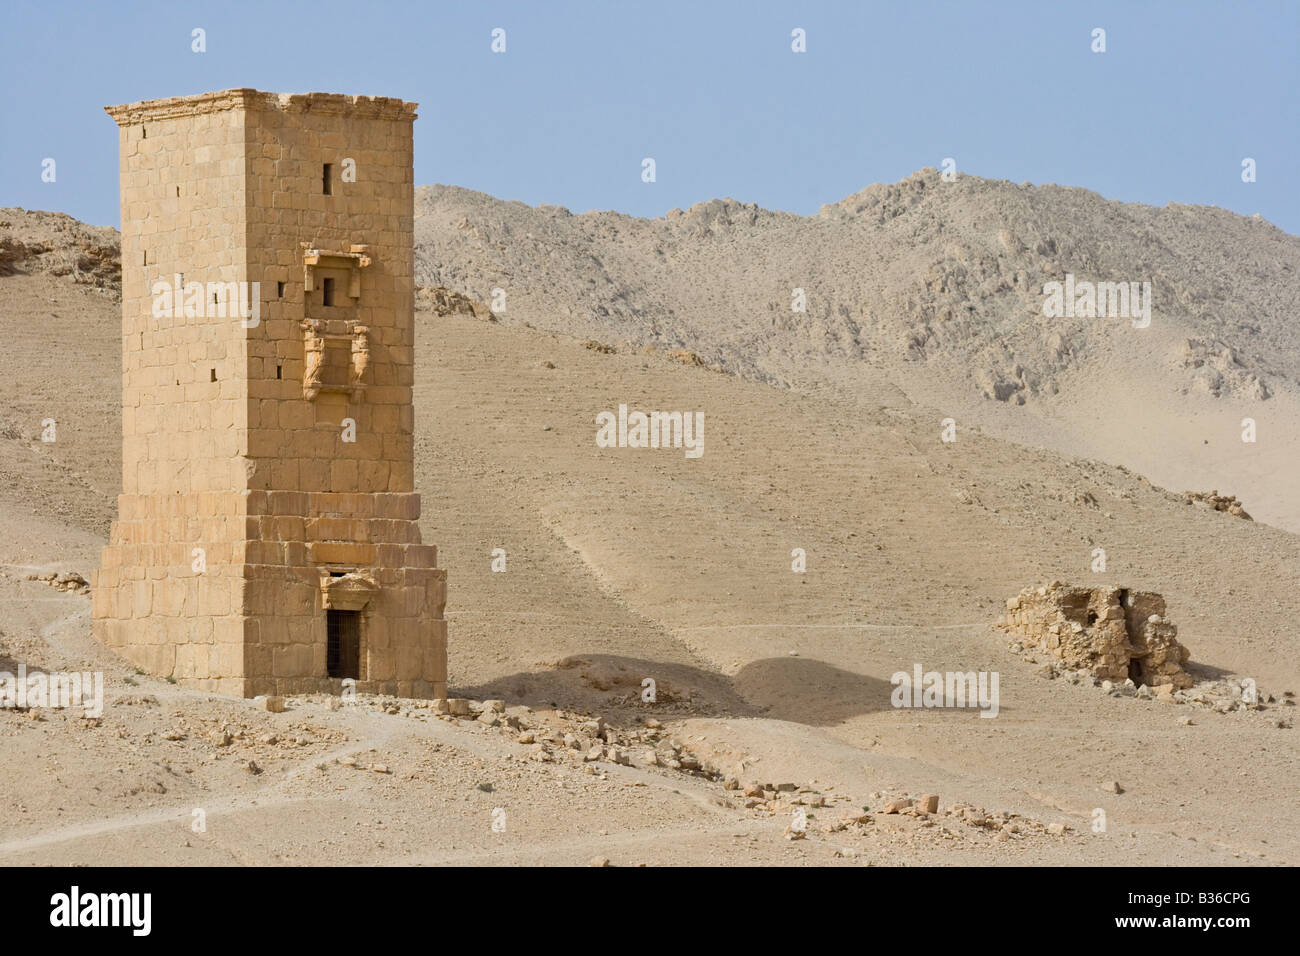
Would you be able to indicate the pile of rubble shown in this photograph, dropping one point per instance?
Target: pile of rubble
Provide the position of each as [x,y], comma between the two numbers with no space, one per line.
[925,809]
[442,301]
[1218,502]
[1112,633]
[580,740]
[554,736]
[927,806]
[63,581]
[1224,696]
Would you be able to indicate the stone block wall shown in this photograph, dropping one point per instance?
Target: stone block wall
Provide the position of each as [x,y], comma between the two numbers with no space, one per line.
[1116,633]
[264,458]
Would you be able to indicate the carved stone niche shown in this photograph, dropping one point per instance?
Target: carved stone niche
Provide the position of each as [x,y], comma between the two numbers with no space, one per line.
[347,592]
[353,261]
[336,354]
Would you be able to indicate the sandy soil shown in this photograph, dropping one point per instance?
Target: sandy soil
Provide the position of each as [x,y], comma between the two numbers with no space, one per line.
[626,564]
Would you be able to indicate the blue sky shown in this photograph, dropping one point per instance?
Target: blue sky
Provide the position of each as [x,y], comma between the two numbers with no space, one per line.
[711,91]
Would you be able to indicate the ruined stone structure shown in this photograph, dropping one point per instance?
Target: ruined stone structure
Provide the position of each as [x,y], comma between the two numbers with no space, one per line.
[266,539]
[1115,633]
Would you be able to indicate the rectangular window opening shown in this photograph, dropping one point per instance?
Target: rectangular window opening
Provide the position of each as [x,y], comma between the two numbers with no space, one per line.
[279,371]
[279,290]
[213,373]
[325,179]
[327,291]
[343,643]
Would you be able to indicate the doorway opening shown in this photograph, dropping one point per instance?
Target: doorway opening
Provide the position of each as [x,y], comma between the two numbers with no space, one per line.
[343,643]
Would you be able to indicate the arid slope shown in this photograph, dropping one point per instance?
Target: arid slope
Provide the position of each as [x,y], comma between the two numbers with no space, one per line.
[625,564]
[937,288]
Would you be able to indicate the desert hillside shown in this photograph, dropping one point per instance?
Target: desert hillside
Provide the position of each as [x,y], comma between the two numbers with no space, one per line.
[625,564]
[937,288]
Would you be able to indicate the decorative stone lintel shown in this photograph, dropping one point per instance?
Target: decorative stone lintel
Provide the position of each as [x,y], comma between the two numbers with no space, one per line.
[347,592]
[354,260]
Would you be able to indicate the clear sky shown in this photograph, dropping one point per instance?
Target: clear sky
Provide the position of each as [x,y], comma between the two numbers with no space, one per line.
[710,90]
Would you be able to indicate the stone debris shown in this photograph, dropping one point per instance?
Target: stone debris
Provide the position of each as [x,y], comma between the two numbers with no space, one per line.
[555,736]
[68,581]
[274,705]
[1112,786]
[1222,696]
[443,302]
[586,742]
[1225,503]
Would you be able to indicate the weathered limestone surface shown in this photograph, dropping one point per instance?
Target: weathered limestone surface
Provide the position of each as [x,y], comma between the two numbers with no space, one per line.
[242,497]
[1114,632]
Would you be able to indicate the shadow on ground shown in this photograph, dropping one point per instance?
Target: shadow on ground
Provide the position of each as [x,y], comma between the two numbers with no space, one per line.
[795,689]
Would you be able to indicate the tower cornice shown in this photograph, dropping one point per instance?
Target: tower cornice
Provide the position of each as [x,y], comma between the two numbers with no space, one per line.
[132,114]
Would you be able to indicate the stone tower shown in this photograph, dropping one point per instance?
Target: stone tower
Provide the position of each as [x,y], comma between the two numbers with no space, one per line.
[266,539]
